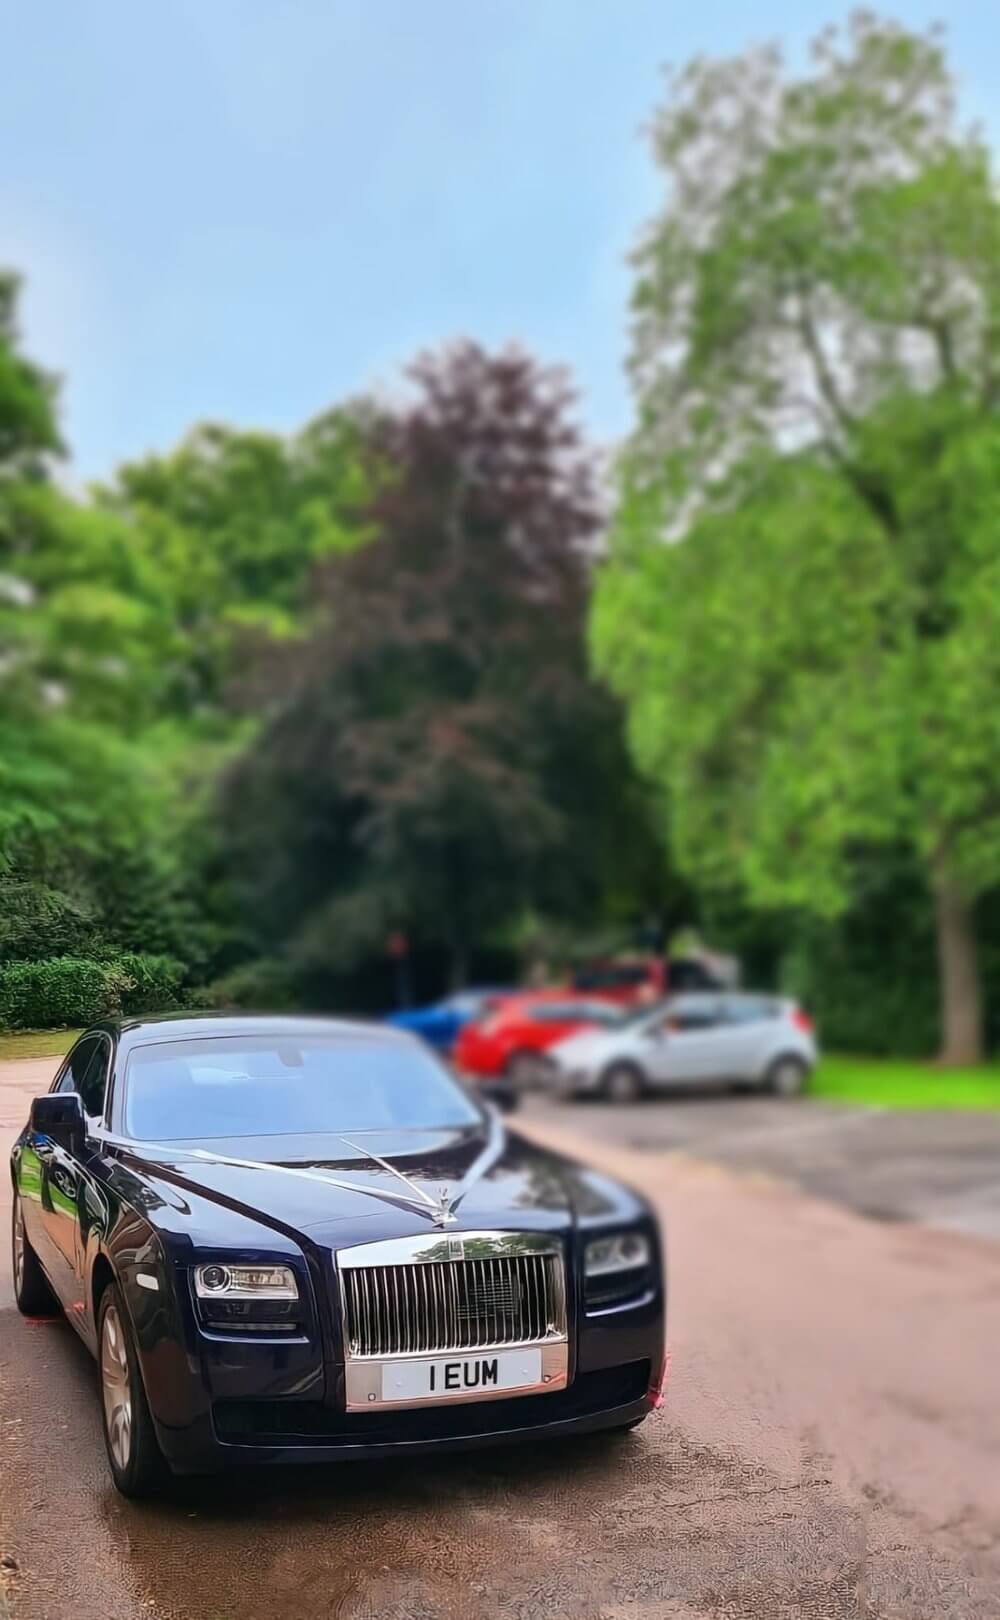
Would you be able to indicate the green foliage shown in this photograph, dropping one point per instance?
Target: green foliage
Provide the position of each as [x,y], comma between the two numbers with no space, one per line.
[233,524]
[801,604]
[155,981]
[38,921]
[61,990]
[263,983]
[55,991]
[876,1084]
[370,633]
[27,419]
[436,758]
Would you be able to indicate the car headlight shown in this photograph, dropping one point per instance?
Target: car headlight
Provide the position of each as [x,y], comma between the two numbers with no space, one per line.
[245,1282]
[624,1251]
[247,1300]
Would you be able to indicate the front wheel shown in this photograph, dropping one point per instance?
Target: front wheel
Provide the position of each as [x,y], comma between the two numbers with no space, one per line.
[134,1456]
[786,1076]
[622,1083]
[32,1294]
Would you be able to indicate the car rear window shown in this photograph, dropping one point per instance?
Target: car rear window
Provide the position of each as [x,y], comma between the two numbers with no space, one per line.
[751,1009]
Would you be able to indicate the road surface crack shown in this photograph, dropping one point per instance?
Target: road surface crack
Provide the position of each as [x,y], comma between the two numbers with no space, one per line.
[743,1496]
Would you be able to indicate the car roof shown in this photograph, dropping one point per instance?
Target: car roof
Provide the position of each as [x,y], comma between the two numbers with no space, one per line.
[137,1030]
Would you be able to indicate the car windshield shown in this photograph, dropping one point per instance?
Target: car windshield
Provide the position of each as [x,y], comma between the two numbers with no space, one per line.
[268,1085]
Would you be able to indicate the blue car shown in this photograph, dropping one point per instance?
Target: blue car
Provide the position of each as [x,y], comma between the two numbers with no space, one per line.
[439,1024]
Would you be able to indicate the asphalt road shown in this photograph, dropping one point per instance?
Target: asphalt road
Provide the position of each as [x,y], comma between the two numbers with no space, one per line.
[942,1169]
[828,1450]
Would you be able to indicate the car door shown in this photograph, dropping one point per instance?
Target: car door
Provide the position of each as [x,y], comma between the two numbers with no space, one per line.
[686,1050]
[749,1024]
[43,1192]
[64,1177]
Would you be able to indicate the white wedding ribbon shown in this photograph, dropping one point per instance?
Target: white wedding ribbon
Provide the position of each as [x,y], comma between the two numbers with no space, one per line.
[441,1212]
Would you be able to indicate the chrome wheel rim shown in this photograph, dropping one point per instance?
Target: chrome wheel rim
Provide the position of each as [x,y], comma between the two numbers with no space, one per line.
[116,1388]
[18,1246]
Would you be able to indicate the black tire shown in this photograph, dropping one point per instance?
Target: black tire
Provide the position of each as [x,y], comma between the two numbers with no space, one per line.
[786,1076]
[32,1294]
[622,1083]
[137,1466]
[523,1069]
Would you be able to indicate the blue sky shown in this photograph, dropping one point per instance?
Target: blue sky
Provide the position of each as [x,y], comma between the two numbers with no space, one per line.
[246,209]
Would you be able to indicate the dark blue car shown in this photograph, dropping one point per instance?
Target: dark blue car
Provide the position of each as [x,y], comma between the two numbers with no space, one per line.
[298,1240]
[439,1024]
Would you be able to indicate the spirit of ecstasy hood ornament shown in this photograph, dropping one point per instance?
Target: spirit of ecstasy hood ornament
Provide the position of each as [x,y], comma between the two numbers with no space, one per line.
[442,1215]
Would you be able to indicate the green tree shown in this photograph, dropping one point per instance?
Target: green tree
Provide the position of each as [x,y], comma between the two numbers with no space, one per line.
[87,643]
[436,758]
[233,523]
[802,600]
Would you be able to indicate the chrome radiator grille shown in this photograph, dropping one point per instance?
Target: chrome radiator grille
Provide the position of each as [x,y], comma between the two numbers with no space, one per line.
[448,1305]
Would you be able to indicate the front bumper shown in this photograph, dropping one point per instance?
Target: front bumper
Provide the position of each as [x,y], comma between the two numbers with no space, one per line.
[299,1432]
[614,1381]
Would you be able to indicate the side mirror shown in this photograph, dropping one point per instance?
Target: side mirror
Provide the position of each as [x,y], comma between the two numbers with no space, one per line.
[501,1094]
[60,1115]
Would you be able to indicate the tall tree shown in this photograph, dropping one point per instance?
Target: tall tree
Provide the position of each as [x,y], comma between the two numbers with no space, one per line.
[436,740]
[816,355]
[233,521]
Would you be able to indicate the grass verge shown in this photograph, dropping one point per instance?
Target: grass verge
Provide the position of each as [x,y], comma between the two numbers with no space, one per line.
[902,1083]
[29,1043]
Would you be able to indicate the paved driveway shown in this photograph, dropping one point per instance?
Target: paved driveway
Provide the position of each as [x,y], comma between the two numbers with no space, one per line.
[827,1451]
[942,1169]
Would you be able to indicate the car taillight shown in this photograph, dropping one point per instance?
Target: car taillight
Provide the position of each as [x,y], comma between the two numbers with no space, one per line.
[802,1021]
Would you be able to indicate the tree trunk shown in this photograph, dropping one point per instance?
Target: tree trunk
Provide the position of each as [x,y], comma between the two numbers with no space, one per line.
[958,966]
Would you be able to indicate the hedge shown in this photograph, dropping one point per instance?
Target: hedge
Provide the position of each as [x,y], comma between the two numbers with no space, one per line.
[76,990]
[156,981]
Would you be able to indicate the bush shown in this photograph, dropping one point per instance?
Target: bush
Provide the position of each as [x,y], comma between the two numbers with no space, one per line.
[263,985]
[37,921]
[75,990]
[155,981]
[70,990]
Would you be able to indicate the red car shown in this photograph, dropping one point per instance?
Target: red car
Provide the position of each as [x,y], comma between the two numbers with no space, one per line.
[628,980]
[513,1038]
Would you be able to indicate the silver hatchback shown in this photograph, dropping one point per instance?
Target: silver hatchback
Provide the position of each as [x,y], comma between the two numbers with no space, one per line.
[759,1041]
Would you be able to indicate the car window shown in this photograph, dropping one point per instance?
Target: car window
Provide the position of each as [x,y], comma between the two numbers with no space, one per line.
[267,1085]
[700,1013]
[750,1010]
[575,1012]
[74,1070]
[600,1012]
[94,1085]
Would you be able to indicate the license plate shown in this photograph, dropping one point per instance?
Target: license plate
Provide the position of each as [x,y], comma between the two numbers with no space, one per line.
[452,1377]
